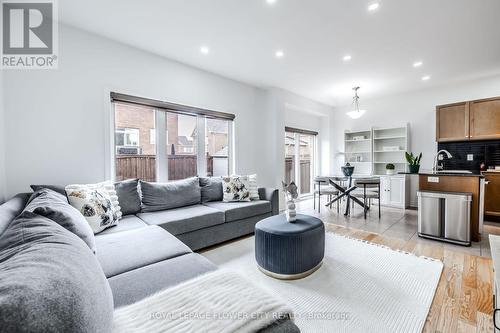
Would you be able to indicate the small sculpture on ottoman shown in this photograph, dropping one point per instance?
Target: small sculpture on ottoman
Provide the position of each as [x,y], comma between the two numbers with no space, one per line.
[291,194]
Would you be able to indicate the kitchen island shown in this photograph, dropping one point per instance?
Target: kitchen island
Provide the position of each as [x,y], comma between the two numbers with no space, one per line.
[460,183]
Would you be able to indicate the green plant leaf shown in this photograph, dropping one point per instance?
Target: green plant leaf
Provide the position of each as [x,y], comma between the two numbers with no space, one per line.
[408,157]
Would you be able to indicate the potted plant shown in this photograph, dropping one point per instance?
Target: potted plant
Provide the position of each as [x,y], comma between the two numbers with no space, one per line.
[390,169]
[413,162]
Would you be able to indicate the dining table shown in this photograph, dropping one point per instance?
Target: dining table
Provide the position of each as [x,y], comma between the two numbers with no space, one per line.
[353,182]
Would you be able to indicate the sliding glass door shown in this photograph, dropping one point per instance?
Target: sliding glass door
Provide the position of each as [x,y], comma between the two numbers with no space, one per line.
[299,159]
[306,158]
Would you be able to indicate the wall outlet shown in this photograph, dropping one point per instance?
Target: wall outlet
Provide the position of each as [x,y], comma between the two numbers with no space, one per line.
[470,157]
[440,157]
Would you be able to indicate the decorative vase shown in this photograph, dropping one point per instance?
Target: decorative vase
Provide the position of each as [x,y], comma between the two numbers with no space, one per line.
[390,171]
[291,214]
[414,168]
[347,170]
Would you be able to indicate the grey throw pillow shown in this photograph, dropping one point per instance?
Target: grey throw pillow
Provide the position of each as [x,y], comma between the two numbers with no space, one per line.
[11,208]
[162,196]
[50,281]
[211,189]
[55,207]
[128,196]
[56,188]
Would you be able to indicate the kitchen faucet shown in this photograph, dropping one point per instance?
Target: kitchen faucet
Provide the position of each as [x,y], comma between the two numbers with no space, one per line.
[435,166]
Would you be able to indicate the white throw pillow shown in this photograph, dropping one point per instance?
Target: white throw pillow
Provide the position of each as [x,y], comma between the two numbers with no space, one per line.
[235,188]
[254,191]
[98,203]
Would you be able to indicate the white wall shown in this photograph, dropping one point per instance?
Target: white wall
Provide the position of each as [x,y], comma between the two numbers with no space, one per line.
[299,112]
[310,119]
[417,108]
[58,119]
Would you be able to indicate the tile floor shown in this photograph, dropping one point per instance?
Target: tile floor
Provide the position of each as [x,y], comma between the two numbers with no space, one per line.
[396,223]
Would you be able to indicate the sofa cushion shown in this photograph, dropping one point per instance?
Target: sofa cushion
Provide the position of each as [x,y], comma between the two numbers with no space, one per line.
[128,222]
[50,281]
[161,196]
[235,188]
[98,203]
[240,210]
[55,206]
[128,196]
[124,251]
[180,220]
[211,189]
[56,188]
[11,208]
[140,283]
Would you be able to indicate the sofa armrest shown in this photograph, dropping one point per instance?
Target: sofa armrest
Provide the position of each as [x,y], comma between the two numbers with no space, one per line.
[272,195]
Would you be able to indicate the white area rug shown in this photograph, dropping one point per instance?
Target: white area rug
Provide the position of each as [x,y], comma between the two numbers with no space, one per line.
[361,286]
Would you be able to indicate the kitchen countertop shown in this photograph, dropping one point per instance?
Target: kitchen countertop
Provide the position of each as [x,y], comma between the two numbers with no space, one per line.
[430,173]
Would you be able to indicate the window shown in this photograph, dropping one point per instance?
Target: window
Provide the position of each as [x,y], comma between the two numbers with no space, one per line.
[289,157]
[128,137]
[217,146]
[134,158]
[194,141]
[299,158]
[181,146]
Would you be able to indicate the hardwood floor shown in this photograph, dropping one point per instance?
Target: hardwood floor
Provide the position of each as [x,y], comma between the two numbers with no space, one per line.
[463,300]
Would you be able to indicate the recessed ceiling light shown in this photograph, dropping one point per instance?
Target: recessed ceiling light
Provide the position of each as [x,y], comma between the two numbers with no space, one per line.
[373,6]
[417,64]
[279,54]
[204,50]
[426,77]
[271,1]
[347,57]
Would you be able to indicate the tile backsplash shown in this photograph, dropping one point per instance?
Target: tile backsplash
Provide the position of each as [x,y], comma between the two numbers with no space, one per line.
[482,151]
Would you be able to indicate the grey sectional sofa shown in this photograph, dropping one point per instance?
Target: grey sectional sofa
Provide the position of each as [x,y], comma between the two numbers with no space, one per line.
[146,252]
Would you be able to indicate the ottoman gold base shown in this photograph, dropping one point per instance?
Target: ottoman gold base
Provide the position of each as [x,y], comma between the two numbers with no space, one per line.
[290,276]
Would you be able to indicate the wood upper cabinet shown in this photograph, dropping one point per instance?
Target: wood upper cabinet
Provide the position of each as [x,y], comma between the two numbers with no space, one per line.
[485,119]
[473,120]
[452,122]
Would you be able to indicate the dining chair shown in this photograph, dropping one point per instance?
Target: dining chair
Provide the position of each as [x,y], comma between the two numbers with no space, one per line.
[323,187]
[368,190]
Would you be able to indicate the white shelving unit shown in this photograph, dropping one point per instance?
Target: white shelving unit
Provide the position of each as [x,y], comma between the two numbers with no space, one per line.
[370,150]
[358,150]
[389,146]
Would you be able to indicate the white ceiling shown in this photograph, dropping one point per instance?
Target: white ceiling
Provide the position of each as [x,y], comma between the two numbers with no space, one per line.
[456,39]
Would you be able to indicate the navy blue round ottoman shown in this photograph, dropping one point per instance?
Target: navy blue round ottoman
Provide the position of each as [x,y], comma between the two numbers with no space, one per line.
[289,250]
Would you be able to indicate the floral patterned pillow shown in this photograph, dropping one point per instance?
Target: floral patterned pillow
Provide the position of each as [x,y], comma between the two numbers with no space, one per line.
[235,188]
[97,203]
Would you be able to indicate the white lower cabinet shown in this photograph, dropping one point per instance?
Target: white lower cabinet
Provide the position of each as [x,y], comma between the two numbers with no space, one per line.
[394,191]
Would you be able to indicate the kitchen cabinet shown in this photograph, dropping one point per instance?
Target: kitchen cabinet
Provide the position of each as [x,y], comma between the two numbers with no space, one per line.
[471,120]
[461,184]
[393,191]
[492,194]
[485,119]
[452,122]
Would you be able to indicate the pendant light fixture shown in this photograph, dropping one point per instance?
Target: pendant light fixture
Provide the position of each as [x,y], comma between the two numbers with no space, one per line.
[356,113]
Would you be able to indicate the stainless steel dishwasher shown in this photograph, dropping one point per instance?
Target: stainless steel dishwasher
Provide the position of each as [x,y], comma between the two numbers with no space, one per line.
[444,216]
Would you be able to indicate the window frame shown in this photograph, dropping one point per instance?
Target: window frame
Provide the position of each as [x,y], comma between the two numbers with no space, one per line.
[161,109]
